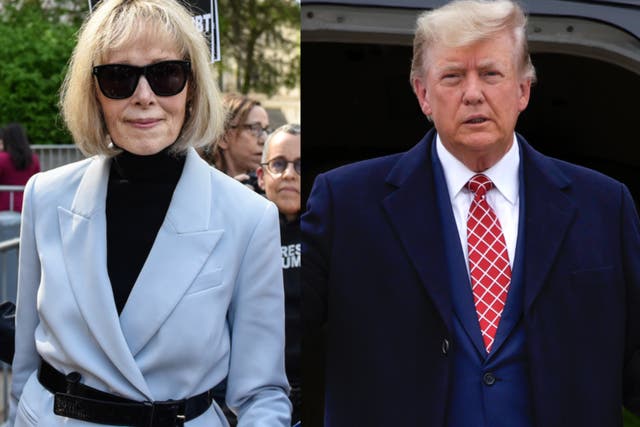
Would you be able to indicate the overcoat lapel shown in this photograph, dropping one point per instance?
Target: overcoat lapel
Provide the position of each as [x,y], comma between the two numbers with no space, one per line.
[83,236]
[412,211]
[461,295]
[512,313]
[545,198]
[182,246]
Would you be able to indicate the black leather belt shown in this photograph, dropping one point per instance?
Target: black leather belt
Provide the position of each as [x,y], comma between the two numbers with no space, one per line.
[76,400]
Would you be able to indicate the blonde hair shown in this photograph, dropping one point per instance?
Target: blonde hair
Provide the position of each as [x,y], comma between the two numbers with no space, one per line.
[465,22]
[115,24]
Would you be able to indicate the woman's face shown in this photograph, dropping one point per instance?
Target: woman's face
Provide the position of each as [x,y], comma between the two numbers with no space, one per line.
[144,123]
[243,145]
[283,188]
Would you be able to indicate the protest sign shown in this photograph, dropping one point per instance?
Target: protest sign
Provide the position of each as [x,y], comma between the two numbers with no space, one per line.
[205,18]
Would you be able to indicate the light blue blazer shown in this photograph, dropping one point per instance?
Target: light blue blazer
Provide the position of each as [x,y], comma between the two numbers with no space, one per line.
[207,304]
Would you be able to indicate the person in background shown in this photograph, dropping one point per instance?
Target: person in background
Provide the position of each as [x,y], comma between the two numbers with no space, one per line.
[238,150]
[17,164]
[473,281]
[279,177]
[146,277]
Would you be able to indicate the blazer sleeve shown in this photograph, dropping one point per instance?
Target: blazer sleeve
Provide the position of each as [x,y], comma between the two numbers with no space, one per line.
[317,243]
[316,226]
[630,232]
[257,386]
[26,358]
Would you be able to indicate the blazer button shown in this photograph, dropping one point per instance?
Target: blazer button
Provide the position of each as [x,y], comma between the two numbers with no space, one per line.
[445,346]
[489,379]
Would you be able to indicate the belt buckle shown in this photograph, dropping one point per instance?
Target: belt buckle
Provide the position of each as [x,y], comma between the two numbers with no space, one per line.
[72,379]
[168,413]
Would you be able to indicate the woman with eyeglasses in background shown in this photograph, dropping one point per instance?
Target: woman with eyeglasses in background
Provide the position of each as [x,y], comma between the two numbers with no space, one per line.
[146,277]
[238,150]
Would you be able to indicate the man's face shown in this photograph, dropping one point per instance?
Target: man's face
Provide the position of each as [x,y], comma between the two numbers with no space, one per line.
[282,189]
[474,95]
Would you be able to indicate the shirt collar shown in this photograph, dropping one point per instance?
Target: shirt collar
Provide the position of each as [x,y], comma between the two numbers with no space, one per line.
[503,174]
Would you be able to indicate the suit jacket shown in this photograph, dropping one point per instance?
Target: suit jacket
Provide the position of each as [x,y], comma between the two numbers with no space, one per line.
[208,302]
[375,270]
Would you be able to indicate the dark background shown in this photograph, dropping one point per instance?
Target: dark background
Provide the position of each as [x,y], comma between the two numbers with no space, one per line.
[358,103]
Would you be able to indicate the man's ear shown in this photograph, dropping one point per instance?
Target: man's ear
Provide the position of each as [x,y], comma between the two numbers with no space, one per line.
[525,93]
[260,175]
[420,89]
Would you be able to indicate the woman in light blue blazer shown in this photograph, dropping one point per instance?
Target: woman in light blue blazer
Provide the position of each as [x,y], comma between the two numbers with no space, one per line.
[146,277]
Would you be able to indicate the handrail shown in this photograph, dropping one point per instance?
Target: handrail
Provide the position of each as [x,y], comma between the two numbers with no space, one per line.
[7,245]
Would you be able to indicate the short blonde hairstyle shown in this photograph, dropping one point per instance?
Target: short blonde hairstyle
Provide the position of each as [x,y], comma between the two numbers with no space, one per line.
[465,22]
[115,24]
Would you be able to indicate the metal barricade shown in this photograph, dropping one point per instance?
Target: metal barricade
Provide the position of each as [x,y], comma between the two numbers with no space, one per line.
[7,249]
[52,156]
[9,229]
[12,189]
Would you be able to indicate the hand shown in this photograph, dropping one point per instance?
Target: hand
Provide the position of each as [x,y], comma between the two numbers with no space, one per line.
[242,177]
[249,181]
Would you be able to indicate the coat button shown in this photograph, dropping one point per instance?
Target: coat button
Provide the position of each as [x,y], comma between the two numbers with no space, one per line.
[445,346]
[489,379]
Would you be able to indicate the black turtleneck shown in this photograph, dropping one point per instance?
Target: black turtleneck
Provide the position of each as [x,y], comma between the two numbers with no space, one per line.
[138,196]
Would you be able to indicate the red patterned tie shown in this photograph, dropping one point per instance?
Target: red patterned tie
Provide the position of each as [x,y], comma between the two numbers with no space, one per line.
[488,260]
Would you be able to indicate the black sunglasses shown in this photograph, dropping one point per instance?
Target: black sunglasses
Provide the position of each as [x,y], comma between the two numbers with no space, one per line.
[119,81]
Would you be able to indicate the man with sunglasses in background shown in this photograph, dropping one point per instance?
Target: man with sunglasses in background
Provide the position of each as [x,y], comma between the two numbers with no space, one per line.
[279,177]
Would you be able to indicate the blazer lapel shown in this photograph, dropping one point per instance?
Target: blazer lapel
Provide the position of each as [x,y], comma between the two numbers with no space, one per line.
[412,211]
[544,192]
[83,235]
[182,246]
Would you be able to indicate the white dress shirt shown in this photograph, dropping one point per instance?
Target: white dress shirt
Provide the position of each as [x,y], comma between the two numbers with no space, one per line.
[503,197]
